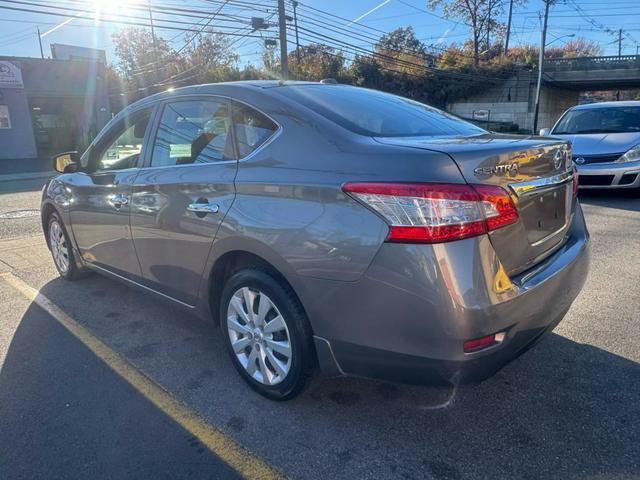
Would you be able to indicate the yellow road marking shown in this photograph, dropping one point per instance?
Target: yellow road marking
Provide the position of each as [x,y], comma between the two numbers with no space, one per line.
[237,457]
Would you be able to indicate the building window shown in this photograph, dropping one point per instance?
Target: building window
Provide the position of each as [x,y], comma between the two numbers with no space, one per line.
[5,119]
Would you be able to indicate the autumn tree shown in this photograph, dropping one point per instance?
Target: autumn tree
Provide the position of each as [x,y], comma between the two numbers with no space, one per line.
[578,47]
[365,71]
[402,51]
[209,58]
[142,63]
[527,55]
[480,15]
[316,62]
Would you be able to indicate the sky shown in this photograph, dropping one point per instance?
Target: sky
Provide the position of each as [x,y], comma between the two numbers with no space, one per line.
[583,18]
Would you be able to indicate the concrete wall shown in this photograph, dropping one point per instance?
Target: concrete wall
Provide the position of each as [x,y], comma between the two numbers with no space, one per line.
[514,102]
[17,141]
[553,103]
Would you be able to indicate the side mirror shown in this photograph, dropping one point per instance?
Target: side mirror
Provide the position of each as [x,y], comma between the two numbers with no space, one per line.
[66,162]
[545,132]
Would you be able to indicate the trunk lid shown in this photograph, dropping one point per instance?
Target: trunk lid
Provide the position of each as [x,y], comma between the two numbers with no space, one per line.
[536,172]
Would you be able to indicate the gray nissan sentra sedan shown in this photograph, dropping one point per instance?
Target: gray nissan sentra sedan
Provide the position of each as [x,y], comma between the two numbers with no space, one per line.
[328,225]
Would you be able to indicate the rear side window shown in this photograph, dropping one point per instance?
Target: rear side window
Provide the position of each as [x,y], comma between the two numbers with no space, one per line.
[378,114]
[252,128]
[193,131]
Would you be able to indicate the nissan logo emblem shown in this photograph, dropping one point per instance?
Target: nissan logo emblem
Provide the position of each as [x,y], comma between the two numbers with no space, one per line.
[558,159]
[580,160]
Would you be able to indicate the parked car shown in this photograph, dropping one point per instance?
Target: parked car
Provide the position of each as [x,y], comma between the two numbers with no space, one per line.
[328,224]
[606,143]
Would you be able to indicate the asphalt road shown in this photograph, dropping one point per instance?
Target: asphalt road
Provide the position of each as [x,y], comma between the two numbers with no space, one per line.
[567,409]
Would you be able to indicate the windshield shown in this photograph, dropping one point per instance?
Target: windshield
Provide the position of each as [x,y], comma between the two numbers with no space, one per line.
[377,114]
[599,120]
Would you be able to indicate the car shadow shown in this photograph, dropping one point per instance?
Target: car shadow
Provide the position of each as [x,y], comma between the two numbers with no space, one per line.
[621,199]
[563,410]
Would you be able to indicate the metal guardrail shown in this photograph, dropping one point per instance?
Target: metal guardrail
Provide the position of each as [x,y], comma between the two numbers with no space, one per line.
[592,63]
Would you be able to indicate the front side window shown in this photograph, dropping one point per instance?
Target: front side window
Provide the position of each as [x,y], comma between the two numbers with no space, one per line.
[125,149]
[599,120]
[191,132]
[252,128]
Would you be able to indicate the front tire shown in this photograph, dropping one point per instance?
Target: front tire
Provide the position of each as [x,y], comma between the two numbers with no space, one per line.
[61,250]
[267,334]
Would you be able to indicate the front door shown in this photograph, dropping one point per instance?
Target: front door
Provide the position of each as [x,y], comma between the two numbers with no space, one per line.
[102,195]
[181,196]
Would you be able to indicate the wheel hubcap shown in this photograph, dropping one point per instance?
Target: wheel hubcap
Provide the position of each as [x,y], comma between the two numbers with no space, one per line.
[59,248]
[259,336]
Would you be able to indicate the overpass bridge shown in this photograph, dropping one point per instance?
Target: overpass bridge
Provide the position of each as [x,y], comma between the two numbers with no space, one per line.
[593,73]
[513,101]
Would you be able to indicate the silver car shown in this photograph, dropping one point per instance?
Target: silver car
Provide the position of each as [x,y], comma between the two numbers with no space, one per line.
[606,143]
[328,225]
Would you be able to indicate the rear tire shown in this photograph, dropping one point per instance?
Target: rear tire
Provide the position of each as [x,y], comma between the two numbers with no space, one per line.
[267,334]
[61,249]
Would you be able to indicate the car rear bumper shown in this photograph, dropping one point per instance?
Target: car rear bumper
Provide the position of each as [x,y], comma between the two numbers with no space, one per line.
[609,175]
[409,316]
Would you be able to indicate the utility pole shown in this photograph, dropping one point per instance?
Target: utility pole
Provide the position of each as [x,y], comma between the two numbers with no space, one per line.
[282,21]
[620,43]
[543,41]
[40,42]
[488,49]
[295,23]
[506,41]
[153,38]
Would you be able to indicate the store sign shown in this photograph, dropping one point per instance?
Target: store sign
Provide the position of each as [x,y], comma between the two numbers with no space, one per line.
[482,115]
[10,75]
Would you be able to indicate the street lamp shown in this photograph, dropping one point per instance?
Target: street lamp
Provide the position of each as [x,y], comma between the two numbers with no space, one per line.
[570,35]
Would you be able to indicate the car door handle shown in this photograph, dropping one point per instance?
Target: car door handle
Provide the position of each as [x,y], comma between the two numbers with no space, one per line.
[203,208]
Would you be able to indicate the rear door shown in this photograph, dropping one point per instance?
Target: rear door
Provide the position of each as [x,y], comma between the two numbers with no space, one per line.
[182,194]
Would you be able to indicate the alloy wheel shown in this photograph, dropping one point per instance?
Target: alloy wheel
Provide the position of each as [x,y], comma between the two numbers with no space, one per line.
[59,248]
[259,336]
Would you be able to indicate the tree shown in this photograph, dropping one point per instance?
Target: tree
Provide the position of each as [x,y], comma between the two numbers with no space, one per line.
[270,63]
[401,51]
[365,72]
[142,65]
[317,61]
[578,47]
[480,15]
[211,59]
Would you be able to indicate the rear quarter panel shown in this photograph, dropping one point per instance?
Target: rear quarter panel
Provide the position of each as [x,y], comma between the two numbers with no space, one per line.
[290,208]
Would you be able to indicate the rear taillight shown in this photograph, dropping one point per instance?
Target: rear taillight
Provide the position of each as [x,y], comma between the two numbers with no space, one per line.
[481,343]
[436,212]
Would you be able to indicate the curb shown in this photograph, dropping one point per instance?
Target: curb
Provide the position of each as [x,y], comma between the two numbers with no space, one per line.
[26,176]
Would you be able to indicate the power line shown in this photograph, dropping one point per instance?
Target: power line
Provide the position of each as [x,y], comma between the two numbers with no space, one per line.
[113,21]
[90,13]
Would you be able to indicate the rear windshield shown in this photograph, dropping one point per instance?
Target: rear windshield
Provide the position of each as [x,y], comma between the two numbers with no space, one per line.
[377,114]
[599,120]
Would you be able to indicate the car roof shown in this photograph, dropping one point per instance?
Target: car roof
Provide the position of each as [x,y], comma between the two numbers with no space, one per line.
[239,85]
[589,106]
[221,88]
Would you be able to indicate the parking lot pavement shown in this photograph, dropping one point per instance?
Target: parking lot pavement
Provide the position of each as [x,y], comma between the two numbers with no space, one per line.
[567,409]
[65,414]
